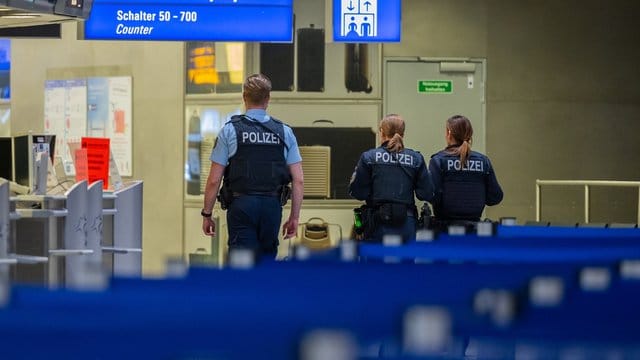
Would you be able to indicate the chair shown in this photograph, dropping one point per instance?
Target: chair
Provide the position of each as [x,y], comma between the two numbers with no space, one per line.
[315,234]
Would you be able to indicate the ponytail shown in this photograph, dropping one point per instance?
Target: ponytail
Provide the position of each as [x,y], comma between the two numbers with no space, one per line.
[464,151]
[461,131]
[396,143]
[392,127]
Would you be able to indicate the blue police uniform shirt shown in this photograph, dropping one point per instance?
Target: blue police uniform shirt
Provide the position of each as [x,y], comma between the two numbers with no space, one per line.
[462,190]
[383,176]
[227,143]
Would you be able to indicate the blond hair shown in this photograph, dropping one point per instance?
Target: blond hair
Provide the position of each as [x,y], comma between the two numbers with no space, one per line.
[256,89]
[392,127]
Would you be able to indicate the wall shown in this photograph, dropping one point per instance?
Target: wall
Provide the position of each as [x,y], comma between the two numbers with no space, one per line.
[562,100]
[156,68]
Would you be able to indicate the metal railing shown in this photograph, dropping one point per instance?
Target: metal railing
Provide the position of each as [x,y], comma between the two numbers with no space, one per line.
[587,184]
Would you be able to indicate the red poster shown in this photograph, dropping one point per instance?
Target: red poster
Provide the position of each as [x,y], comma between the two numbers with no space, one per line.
[97,159]
[82,164]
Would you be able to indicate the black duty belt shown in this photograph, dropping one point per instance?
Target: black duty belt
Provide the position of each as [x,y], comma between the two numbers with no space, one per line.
[258,193]
[411,209]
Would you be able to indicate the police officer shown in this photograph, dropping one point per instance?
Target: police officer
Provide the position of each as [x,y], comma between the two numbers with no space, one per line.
[464,180]
[258,155]
[386,178]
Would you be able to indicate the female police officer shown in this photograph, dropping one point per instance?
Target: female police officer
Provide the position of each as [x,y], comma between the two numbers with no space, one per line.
[386,178]
[464,180]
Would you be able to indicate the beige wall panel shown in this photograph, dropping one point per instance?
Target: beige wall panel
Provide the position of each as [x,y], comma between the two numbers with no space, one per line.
[560,141]
[442,28]
[563,102]
[156,69]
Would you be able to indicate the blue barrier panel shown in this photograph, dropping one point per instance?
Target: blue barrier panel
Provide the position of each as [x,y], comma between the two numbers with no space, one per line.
[217,313]
[149,321]
[369,309]
[442,251]
[565,232]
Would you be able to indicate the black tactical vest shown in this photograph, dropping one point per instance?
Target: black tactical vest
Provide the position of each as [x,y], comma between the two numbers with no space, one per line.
[394,175]
[259,164]
[463,187]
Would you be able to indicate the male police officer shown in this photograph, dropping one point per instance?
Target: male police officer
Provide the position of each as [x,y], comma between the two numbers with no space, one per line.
[258,156]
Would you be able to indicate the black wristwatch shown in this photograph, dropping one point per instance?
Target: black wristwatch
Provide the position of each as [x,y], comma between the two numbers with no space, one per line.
[204,214]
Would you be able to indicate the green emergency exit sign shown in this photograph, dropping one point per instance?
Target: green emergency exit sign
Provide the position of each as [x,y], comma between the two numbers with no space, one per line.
[435,86]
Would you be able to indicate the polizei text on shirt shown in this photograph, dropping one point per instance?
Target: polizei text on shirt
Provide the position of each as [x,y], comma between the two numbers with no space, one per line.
[470,165]
[260,138]
[394,158]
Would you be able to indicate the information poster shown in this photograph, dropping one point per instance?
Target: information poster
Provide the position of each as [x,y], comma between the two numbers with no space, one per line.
[109,104]
[95,107]
[98,107]
[65,115]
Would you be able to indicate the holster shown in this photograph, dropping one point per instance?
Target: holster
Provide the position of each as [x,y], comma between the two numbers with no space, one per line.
[391,214]
[225,196]
[285,194]
[367,216]
[426,219]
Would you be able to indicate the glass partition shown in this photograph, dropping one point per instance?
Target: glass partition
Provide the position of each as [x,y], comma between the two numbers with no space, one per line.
[215,67]
[203,124]
[5,117]
[5,86]
[5,69]
[214,75]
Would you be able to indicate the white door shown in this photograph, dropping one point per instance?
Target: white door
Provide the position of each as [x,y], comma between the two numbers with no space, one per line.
[426,92]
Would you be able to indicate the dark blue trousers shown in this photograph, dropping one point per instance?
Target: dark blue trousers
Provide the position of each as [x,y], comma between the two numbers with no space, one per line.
[407,231]
[254,223]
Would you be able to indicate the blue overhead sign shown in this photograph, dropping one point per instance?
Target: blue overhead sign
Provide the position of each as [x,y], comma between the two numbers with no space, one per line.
[361,21]
[191,20]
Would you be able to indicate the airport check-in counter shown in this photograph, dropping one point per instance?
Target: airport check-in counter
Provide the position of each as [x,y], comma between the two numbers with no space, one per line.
[76,238]
[122,241]
[5,260]
[34,232]
[6,214]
